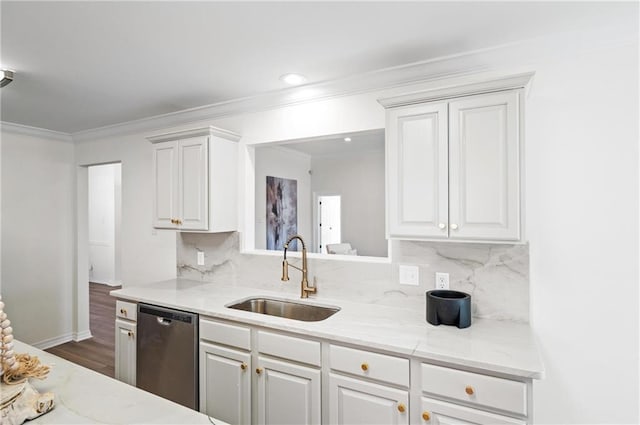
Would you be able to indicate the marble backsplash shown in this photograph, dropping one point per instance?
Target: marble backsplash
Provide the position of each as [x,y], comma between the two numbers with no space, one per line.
[496,275]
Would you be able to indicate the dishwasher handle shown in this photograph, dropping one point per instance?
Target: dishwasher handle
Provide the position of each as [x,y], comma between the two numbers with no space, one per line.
[163,321]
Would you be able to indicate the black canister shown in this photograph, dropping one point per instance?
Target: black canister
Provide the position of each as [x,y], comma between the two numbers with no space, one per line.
[448,307]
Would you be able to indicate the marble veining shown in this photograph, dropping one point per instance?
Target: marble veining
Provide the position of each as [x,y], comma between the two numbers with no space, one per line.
[496,275]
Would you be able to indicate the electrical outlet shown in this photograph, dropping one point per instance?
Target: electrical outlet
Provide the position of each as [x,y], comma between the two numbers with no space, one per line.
[409,275]
[200,258]
[442,280]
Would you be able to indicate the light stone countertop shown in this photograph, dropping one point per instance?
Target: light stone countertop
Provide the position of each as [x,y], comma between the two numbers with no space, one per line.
[83,396]
[501,347]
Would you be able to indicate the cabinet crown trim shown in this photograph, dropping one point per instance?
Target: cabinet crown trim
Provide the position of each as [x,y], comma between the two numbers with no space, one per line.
[446,92]
[196,132]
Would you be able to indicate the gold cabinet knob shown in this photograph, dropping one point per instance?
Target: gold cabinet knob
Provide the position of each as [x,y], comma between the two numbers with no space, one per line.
[426,416]
[401,407]
[259,370]
[364,367]
[123,311]
[173,221]
[178,221]
[131,333]
[469,390]
[243,366]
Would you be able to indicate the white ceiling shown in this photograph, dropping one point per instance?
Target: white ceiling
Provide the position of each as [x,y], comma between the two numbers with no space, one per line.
[83,65]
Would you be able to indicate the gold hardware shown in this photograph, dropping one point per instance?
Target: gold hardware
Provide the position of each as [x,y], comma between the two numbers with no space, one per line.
[426,416]
[123,311]
[173,221]
[179,222]
[259,370]
[305,289]
[469,390]
[131,334]
[364,367]
[243,366]
[401,408]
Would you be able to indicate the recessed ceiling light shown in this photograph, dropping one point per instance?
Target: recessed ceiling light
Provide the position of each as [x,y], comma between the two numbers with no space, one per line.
[347,139]
[294,79]
[6,76]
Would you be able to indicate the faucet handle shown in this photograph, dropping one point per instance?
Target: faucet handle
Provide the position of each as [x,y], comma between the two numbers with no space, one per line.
[285,271]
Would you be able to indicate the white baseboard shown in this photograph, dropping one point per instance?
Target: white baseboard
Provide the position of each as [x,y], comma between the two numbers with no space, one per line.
[106,282]
[52,342]
[81,336]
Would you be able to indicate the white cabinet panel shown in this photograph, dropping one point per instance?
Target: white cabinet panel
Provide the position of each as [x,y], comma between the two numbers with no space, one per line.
[287,393]
[484,167]
[417,171]
[193,184]
[165,184]
[435,412]
[125,370]
[225,383]
[354,401]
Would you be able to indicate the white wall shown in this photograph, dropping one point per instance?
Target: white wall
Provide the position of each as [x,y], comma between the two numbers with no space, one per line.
[38,210]
[103,211]
[359,179]
[582,212]
[285,163]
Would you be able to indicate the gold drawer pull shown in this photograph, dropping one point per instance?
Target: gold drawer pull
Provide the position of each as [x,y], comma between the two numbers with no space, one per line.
[123,311]
[426,416]
[243,366]
[131,333]
[469,390]
[401,407]
[259,370]
[364,367]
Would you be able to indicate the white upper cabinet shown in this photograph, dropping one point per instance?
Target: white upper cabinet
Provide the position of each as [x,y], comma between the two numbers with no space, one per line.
[195,180]
[484,167]
[454,163]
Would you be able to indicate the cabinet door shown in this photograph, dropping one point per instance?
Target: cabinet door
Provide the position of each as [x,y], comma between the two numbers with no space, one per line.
[436,412]
[126,351]
[354,401]
[193,184]
[484,169]
[287,393]
[225,383]
[417,171]
[165,184]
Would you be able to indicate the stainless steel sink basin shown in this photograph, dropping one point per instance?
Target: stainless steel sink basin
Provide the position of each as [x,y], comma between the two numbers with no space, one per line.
[286,309]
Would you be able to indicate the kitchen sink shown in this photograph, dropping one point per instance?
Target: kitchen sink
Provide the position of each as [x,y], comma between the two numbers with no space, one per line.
[284,308]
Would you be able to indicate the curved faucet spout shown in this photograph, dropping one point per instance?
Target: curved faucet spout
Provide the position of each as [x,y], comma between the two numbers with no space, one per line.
[304,285]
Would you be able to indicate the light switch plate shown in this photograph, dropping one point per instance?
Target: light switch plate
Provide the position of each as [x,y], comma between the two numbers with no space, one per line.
[200,258]
[409,275]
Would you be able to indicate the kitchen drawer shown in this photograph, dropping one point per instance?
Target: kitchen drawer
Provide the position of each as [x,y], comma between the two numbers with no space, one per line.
[482,390]
[225,333]
[288,347]
[394,370]
[126,310]
[436,412]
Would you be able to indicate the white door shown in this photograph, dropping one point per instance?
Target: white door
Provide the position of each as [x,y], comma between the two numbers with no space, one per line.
[329,222]
[436,412]
[165,184]
[225,383]
[353,401]
[484,197]
[417,171]
[287,393]
[193,183]
[126,352]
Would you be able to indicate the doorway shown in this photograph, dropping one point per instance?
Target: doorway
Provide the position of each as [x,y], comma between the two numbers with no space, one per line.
[104,221]
[328,226]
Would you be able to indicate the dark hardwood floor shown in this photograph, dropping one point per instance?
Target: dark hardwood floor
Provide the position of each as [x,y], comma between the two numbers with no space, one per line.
[98,352]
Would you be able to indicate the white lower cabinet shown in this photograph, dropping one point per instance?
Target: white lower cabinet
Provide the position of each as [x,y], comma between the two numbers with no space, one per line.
[287,393]
[225,383]
[125,335]
[355,401]
[436,412]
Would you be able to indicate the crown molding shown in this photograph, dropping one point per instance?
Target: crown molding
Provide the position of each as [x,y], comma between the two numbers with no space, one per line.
[25,130]
[197,132]
[483,61]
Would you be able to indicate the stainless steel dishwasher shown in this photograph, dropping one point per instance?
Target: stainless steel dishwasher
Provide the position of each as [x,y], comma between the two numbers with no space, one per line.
[167,354]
